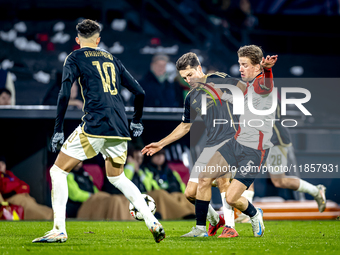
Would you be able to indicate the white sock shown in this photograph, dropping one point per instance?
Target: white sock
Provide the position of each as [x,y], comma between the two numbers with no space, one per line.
[59,195]
[212,216]
[228,212]
[308,188]
[249,195]
[132,193]
[204,228]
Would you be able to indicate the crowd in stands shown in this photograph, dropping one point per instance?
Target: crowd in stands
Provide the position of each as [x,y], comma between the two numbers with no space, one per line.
[159,91]
[7,89]
[14,191]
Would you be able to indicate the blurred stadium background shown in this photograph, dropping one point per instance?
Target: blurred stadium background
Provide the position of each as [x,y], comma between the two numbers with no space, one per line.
[37,35]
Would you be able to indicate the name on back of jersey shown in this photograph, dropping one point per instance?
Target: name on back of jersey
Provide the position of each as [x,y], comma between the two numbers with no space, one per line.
[98,53]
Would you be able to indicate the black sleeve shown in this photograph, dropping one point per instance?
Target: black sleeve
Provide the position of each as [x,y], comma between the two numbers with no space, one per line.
[70,73]
[133,86]
[219,80]
[189,114]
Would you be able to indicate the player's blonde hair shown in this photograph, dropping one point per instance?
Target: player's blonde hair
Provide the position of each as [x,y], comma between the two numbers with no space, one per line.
[253,52]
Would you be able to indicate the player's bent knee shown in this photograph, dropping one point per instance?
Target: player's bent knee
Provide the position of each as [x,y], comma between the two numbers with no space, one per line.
[232,198]
[231,201]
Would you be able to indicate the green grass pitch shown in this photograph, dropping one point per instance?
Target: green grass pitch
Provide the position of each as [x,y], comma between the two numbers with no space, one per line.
[132,237]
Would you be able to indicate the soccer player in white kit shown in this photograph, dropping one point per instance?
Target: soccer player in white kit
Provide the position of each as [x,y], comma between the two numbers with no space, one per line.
[277,162]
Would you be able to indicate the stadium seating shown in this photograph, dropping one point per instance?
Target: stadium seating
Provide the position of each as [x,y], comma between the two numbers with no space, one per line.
[97,174]
[180,168]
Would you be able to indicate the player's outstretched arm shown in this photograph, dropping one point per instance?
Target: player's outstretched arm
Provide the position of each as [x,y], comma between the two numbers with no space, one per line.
[181,130]
[152,148]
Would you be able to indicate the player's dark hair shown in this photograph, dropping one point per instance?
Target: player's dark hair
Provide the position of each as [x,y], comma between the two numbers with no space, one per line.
[88,28]
[188,59]
[253,52]
[4,90]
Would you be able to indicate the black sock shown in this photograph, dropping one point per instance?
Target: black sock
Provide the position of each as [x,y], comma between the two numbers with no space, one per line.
[251,210]
[201,208]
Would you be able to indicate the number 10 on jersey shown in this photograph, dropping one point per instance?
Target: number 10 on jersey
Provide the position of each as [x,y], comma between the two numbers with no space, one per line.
[107,80]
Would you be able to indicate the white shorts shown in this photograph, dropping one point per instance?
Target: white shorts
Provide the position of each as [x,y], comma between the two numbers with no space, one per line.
[203,160]
[277,159]
[83,147]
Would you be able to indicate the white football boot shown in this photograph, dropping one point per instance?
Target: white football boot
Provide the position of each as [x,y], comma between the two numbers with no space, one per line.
[257,223]
[320,198]
[53,236]
[196,232]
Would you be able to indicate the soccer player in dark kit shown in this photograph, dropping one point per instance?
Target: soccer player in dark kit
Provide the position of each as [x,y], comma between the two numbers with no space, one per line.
[104,128]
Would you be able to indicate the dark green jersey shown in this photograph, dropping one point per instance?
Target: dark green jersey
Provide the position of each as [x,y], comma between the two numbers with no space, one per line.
[100,76]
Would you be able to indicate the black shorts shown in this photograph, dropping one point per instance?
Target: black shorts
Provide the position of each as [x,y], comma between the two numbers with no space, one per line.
[248,161]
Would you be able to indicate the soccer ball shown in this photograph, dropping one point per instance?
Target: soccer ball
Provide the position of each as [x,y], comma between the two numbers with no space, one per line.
[149,201]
